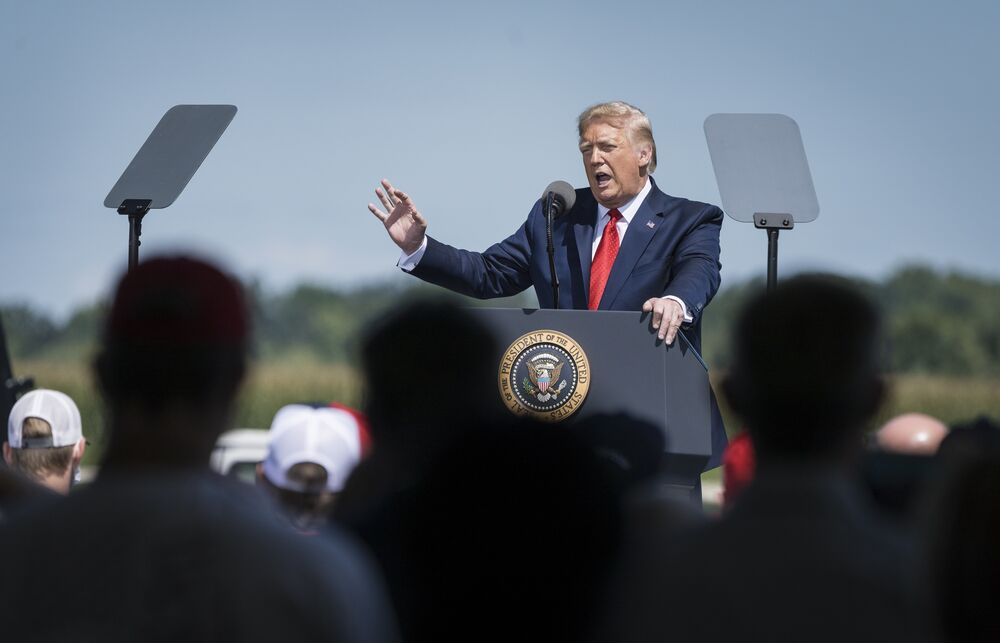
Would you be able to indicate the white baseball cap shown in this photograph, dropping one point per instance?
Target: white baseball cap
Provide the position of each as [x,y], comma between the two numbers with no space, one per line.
[329,437]
[52,406]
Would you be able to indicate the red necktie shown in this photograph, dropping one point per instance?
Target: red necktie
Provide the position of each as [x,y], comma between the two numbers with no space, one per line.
[607,250]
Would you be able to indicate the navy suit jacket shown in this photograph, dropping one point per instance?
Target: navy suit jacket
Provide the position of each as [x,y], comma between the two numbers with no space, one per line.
[671,247]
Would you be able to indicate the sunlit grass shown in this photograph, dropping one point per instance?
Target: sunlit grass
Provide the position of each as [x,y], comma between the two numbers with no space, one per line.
[950,399]
[270,386]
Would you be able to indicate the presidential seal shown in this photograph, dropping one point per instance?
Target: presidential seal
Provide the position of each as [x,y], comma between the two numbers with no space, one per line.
[544,374]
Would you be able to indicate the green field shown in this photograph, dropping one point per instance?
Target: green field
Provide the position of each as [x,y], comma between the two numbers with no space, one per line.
[271,385]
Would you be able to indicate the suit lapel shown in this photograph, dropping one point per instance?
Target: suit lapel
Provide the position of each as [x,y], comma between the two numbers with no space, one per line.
[583,229]
[639,233]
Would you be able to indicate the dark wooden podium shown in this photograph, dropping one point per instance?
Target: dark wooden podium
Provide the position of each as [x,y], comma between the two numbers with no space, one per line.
[630,371]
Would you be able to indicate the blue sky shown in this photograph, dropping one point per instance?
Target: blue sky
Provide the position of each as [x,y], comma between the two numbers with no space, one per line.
[470,107]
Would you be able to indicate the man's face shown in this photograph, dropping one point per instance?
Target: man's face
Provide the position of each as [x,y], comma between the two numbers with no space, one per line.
[616,168]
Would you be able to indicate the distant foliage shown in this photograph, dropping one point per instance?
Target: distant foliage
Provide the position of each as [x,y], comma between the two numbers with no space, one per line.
[937,323]
[308,323]
[315,322]
[943,332]
[28,332]
[943,323]
[318,323]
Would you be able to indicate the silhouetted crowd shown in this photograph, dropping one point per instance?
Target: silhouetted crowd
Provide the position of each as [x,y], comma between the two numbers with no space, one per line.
[427,518]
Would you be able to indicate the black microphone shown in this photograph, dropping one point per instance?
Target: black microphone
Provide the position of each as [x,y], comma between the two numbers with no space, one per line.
[559,197]
[556,199]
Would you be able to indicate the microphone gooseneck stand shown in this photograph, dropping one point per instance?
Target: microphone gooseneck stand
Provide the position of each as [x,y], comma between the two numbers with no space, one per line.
[550,207]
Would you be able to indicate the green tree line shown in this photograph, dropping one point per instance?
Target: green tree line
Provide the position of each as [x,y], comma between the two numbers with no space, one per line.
[309,322]
[936,323]
[944,323]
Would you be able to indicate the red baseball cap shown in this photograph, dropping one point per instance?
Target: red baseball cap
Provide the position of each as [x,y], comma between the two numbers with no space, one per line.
[177,301]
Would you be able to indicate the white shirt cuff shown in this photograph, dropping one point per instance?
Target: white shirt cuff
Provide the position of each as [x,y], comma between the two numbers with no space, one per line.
[687,318]
[409,261]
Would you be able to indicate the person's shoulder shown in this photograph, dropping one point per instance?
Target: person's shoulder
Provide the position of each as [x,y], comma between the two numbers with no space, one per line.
[668,203]
[660,200]
[29,523]
[328,568]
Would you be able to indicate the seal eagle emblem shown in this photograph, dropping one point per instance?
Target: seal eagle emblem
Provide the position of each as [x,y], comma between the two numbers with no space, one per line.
[544,374]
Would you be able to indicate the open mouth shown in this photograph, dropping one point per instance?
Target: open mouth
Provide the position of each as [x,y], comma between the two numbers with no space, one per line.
[602,178]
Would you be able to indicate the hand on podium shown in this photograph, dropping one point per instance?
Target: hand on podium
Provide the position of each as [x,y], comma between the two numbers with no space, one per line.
[667,317]
[405,225]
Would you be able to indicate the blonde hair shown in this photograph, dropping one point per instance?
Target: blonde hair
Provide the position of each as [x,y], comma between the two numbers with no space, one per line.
[628,117]
[37,463]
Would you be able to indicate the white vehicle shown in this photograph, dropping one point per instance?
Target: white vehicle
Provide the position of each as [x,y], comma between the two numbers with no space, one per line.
[238,452]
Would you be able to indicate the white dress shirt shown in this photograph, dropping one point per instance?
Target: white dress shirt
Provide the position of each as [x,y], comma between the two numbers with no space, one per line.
[628,211]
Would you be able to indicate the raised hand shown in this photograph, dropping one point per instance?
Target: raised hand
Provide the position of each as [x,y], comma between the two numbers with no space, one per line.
[406,227]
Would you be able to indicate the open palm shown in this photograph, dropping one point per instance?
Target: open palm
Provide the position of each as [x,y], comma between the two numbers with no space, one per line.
[405,225]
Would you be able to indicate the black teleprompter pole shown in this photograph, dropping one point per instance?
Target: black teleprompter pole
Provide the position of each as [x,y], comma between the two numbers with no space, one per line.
[135,209]
[773,223]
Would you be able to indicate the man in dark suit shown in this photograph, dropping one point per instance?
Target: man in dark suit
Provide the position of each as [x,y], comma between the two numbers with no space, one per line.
[625,245]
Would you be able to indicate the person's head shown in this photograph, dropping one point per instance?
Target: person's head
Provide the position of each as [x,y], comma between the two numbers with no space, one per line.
[911,434]
[310,455]
[961,530]
[967,440]
[45,439]
[619,153]
[515,530]
[427,367]
[631,448]
[172,356]
[806,370]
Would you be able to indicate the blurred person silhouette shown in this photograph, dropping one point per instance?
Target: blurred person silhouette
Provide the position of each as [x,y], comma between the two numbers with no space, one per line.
[631,451]
[630,448]
[968,440]
[899,466]
[311,452]
[962,528]
[45,439]
[159,548]
[801,555]
[427,368]
[510,537]
[18,491]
